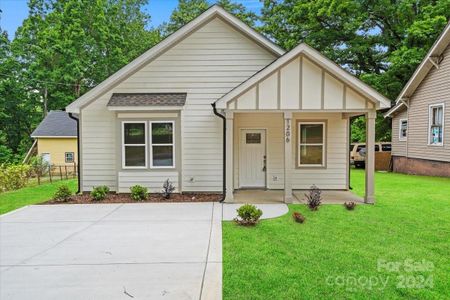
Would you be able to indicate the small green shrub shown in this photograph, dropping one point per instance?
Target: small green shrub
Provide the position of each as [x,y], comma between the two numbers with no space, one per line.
[168,189]
[298,217]
[99,193]
[39,166]
[314,198]
[138,193]
[350,205]
[248,215]
[63,193]
[13,177]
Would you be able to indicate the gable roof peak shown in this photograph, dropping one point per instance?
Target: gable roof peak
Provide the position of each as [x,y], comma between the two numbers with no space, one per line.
[167,43]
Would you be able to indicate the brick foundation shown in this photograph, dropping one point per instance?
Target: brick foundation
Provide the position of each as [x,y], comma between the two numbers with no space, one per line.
[419,166]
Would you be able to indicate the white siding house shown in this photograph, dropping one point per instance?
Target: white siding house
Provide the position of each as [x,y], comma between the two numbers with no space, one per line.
[287,115]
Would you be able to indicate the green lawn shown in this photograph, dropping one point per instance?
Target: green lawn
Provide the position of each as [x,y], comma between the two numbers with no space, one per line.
[32,195]
[334,254]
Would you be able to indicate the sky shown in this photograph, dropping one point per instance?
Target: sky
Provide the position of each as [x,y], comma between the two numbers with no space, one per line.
[15,11]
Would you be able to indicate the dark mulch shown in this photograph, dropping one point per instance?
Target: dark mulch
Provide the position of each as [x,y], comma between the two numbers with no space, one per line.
[153,198]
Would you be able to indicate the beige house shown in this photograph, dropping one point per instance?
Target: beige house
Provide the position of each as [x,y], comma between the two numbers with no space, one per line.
[217,107]
[55,139]
[421,116]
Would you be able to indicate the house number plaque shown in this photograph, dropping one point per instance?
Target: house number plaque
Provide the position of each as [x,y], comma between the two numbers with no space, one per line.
[288,131]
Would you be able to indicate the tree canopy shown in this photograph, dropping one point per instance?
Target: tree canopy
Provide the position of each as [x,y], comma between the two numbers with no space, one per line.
[64,48]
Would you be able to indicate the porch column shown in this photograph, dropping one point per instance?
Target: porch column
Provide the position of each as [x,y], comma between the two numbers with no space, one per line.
[370,157]
[288,157]
[229,156]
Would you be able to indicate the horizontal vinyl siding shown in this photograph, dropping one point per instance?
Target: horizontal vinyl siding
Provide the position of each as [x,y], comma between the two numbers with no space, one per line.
[398,147]
[151,180]
[435,88]
[334,176]
[206,65]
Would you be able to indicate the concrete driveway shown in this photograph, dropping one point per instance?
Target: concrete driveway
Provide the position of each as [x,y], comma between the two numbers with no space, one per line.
[112,251]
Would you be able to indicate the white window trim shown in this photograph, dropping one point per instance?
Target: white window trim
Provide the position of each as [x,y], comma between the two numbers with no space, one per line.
[172,144]
[65,157]
[323,144]
[123,145]
[430,107]
[400,137]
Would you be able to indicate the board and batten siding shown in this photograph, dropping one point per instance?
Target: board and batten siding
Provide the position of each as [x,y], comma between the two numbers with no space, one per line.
[300,84]
[207,64]
[332,176]
[434,89]
[398,146]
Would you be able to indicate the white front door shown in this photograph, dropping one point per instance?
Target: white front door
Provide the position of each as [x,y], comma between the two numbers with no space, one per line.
[252,158]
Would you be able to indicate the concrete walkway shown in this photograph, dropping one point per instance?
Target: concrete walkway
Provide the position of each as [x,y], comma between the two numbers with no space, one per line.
[269,210]
[112,251]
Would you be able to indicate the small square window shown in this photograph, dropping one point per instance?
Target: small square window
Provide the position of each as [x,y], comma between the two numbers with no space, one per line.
[69,157]
[253,138]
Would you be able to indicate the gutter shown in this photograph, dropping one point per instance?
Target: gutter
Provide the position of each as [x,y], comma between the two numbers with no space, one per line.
[78,150]
[224,172]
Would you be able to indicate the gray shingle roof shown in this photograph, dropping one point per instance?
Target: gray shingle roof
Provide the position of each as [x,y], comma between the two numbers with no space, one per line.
[56,123]
[147,99]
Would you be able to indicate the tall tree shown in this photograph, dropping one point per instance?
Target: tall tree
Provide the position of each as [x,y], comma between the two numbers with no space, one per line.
[188,10]
[381,42]
[63,49]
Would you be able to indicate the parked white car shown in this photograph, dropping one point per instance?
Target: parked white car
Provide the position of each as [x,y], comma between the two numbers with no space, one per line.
[358,152]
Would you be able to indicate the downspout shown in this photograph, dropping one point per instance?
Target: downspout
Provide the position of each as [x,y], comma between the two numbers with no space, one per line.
[224,159]
[78,150]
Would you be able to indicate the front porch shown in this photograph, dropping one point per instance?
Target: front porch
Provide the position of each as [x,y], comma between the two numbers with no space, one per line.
[277,196]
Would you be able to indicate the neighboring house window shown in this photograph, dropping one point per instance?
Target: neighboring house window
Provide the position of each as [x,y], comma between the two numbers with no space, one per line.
[436,124]
[69,157]
[403,128]
[162,144]
[311,146]
[134,144]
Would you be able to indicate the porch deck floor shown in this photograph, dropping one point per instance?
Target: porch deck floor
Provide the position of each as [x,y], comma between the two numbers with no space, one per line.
[276,196]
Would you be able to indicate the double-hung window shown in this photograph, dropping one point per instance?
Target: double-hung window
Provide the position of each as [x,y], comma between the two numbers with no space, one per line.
[162,144]
[311,144]
[134,144]
[68,157]
[403,129]
[436,125]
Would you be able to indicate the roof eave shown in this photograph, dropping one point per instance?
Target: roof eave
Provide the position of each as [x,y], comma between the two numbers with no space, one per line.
[425,66]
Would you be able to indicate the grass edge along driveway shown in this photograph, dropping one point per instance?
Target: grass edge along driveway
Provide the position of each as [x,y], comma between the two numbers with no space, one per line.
[336,253]
[32,194]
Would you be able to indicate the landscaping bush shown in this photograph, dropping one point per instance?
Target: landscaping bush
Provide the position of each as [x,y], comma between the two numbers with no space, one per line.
[39,166]
[63,193]
[99,193]
[314,198]
[298,217]
[13,177]
[248,215]
[350,205]
[168,189]
[138,193]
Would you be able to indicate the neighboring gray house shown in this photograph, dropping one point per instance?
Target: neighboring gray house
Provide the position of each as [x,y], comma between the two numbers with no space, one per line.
[163,116]
[421,116]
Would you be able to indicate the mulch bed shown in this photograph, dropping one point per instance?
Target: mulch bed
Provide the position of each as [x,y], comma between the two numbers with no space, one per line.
[152,198]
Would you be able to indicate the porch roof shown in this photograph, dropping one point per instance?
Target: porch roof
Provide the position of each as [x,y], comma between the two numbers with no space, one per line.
[303,79]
